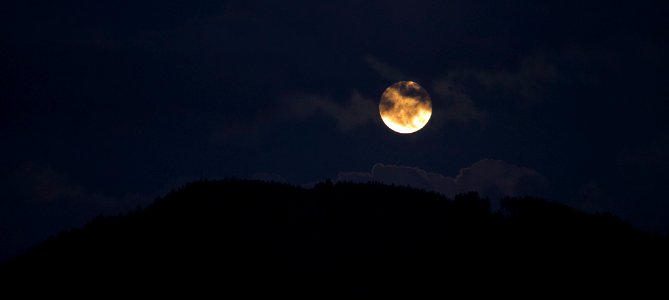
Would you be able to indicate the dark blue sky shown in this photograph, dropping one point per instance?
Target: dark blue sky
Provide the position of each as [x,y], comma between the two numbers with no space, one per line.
[105,105]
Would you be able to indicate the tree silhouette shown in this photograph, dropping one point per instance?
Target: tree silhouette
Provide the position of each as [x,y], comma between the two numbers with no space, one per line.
[344,238]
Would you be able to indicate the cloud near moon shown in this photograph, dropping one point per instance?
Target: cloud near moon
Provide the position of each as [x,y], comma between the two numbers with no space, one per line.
[489,177]
[405,107]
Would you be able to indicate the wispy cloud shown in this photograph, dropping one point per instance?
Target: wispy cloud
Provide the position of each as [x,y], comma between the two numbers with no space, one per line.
[43,184]
[452,103]
[527,81]
[385,70]
[457,106]
[353,112]
[489,177]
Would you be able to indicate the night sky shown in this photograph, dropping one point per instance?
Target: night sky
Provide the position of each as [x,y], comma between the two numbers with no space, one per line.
[105,105]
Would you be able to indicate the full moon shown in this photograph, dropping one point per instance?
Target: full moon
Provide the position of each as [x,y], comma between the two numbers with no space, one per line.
[405,107]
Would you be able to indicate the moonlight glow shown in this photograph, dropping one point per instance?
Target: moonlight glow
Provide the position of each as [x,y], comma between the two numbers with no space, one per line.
[405,107]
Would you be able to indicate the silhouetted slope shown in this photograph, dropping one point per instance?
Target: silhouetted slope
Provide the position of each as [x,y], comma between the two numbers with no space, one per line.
[351,238]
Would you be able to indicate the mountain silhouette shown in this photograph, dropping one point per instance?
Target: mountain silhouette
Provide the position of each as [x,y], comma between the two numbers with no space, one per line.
[260,238]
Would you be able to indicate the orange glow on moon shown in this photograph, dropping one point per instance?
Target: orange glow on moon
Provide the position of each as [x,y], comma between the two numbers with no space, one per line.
[405,107]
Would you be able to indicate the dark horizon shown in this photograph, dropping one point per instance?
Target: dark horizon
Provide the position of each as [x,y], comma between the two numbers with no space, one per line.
[264,238]
[107,105]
